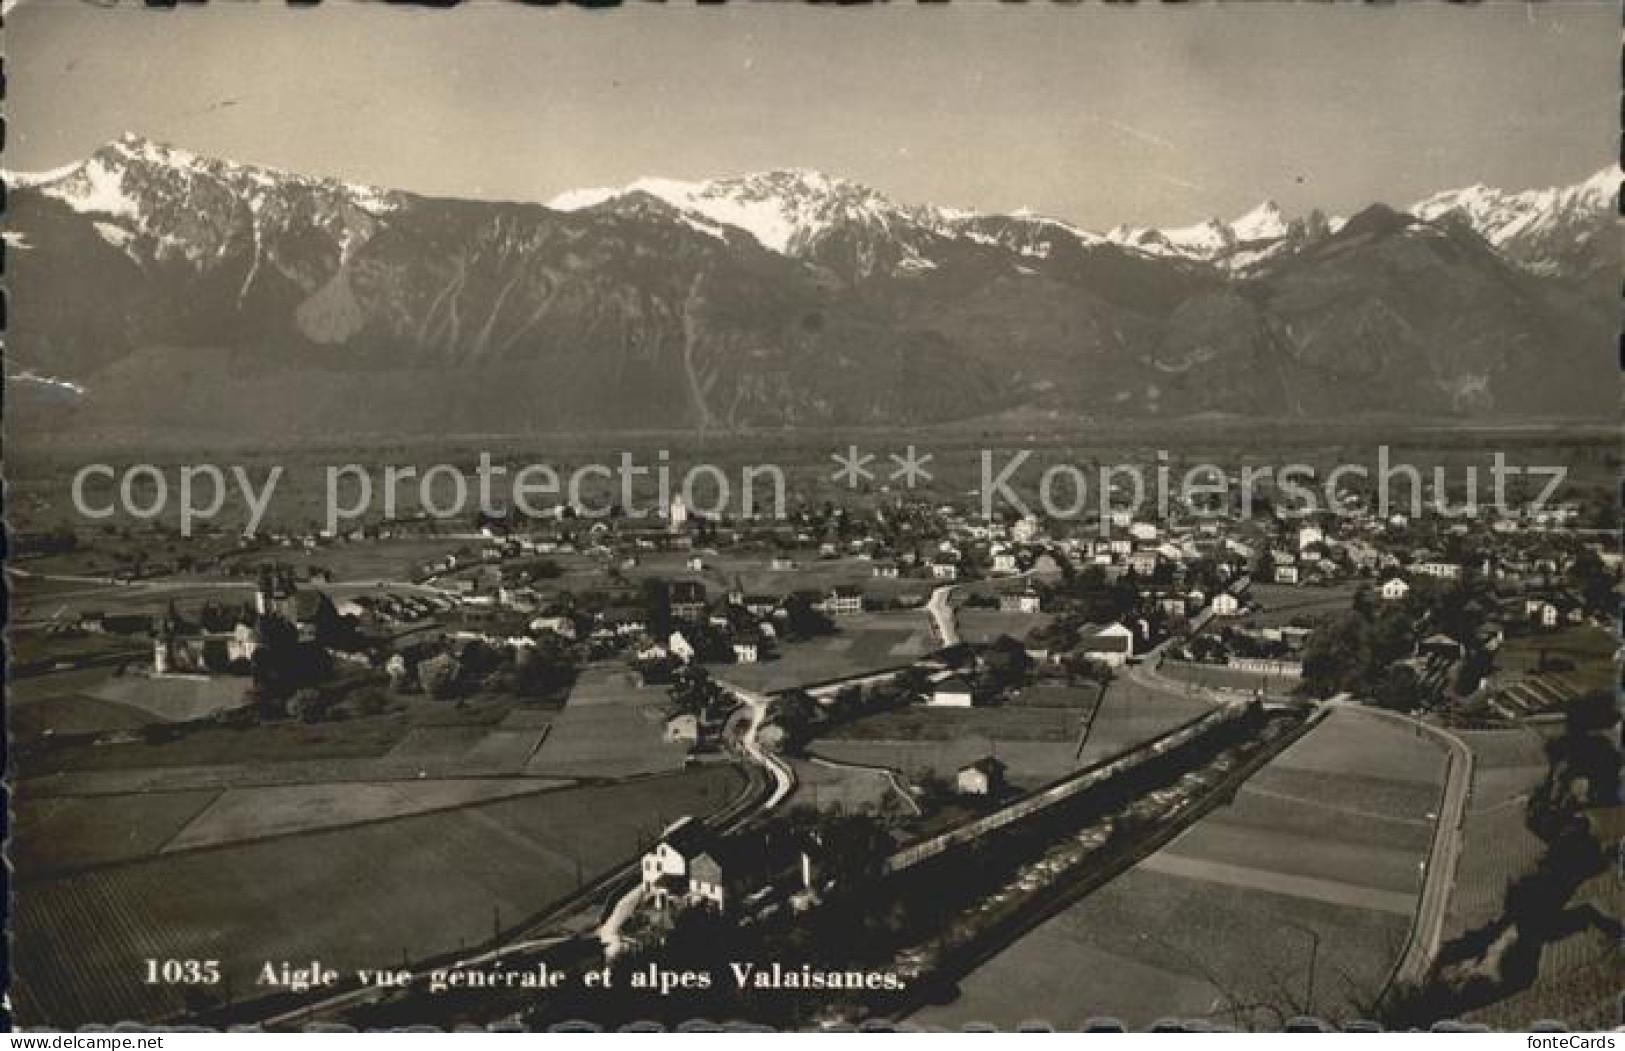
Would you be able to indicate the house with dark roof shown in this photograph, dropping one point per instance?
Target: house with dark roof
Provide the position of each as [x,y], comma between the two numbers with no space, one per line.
[952,691]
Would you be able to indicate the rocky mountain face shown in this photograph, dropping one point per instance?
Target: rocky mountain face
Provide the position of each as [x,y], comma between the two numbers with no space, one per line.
[155,290]
[1566,231]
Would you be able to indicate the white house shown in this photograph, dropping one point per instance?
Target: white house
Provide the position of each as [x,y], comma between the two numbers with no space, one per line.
[1025,601]
[952,691]
[844,600]
[665,868]
[985,777]
[1393,589]
[1109,644]
[1541,612]
[1226,605]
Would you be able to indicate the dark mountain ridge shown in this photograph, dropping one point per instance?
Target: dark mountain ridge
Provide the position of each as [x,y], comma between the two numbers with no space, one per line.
[156,291]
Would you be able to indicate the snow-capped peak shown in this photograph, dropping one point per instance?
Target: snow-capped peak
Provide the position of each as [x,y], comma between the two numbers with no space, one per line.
[1549,230]
[1208,241]
[1262,223]
[1501,216]
[101,185]
[782,208]
[788,209]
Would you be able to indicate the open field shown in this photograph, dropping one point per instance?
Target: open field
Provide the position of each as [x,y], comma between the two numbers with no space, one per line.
[38,650]
[924,723]
[609,727]
[1318,857]
[1220,677]
[823,785]
[982,626]
[367,896]
[259,813]
[50,833]
[1284,604]
[1080,696]
[95,699]
[75,831]
[417,738]
[1029,763]
[1130,713]
[67,703]
[38,600]
[864,643]
[1037,743]
[1038,737]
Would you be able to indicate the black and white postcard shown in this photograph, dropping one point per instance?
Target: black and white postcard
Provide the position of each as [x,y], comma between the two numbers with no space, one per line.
[1019,515]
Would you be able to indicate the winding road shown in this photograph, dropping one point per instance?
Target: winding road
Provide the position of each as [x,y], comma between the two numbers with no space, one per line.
[757,706]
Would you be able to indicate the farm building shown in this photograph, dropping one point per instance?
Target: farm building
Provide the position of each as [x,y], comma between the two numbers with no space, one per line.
[985,777]
[1109,644]
[952,691]
[1026,600]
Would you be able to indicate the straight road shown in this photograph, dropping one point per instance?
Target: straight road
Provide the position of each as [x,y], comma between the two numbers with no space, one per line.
[1439,878]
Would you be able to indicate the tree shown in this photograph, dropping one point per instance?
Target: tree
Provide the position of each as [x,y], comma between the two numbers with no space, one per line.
[851,847]
[656,601]
[803,620]
[1399,689]
[693,691]
[1596,583]
[1005,665]
[308,706]
[796,713]
[369,700]
[439,675]
[542,668]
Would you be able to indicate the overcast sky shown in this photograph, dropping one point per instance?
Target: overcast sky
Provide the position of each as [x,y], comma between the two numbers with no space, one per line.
[1138,113]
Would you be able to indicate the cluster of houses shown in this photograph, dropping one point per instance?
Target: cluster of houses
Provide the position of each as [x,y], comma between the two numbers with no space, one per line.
[180,646]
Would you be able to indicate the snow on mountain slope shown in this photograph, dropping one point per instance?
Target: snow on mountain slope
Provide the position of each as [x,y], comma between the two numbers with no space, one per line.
[158,204]
[842,224]
[805,214]
[104,184]
[782,209]
[1544,231]
[1236,245]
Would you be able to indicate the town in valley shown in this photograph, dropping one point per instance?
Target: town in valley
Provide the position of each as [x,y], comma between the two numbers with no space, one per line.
[880,736]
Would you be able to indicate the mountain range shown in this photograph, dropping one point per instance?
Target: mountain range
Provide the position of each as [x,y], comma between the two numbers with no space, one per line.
[158,291]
